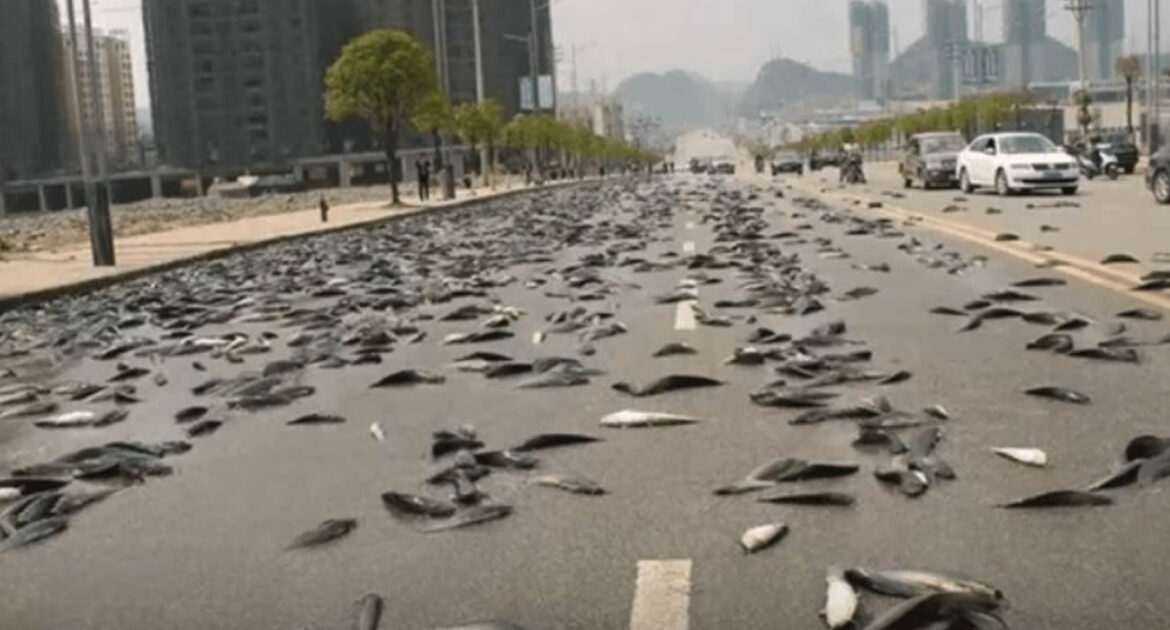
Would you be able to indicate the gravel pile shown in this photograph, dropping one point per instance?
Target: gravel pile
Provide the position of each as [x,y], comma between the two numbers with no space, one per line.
[38,232]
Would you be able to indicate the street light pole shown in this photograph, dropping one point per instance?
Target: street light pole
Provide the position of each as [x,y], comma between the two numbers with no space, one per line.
[1080,10]
[101,232]
[479,88]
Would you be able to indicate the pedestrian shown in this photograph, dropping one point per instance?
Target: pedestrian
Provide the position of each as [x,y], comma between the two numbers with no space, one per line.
[528,173]
[324,206]
[424,180]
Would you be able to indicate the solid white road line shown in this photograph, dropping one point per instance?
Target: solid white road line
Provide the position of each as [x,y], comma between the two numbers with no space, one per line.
[662,595]
[688,247]
[684,316]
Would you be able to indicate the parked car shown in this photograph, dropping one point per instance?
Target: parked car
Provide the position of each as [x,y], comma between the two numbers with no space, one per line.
[787,163]
[699,166]
[930,160]
[1012,162]
[1122,147]
[816,161]
[1158,176]
[722,166]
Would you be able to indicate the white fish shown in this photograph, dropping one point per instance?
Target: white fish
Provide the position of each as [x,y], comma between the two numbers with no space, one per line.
[538,337]
[208,342]
[70,419]
[1026,456]
[762,536]
[938,411]
[631,418]
[840,600]
[376,431]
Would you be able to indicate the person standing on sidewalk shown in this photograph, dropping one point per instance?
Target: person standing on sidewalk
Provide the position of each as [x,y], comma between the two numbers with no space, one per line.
[324,207]
[424,180]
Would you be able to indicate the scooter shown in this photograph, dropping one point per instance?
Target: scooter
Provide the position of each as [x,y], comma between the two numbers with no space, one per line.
[1097,161]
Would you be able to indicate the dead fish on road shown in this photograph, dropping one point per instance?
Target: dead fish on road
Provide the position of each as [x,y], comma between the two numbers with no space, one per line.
[1113,259]
[69,420]
[190,414]
[377,432]
[38,408]
[840,600]
[409,377]
[915,582]
[839,499]
[1059,393]
[204,428]
[1040,282]
[472,516]
[562,376]
[571,483]
[630,418]
[34,532]
[327,531]
[552,440]
[316,418]
[493,334]
[409,505]
[936,610]
[1059,498]
[762,536]
[667,384]
[484,625]
[674,349]
[368,612]
[1027,456]
[872,436]
[1145,314]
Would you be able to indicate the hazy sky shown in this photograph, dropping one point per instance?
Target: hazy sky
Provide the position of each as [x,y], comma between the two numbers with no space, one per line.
[721,39]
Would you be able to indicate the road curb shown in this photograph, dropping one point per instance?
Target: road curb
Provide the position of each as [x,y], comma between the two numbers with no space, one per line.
[81,287]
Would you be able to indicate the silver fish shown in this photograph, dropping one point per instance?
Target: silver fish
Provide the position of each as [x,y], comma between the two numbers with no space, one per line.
[840,599]
[762,536]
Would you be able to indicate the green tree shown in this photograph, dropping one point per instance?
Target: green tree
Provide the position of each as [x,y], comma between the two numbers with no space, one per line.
[480,124]
[381,76]
[435,116]
[1130,69]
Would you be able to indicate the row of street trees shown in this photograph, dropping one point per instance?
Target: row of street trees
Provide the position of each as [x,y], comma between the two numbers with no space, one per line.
[388,78]
[986,111]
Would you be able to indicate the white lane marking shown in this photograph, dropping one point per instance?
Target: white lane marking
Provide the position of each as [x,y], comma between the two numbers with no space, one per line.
[688,247]
[684,316]
[662,596]
[690,225]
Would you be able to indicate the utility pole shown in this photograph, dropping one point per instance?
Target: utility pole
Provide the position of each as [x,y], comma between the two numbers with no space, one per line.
[479,88]
[534,68]
[1080,10]
[97,194]
[439,17]
[1156,137]
[955,51]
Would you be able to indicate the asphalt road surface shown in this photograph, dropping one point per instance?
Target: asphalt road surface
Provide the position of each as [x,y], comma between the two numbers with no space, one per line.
[205,547]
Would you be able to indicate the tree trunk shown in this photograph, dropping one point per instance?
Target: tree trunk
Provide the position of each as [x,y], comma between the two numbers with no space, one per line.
[391,140]
[1129,105]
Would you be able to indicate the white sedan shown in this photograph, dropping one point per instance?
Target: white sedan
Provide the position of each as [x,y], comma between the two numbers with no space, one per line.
[1011,162]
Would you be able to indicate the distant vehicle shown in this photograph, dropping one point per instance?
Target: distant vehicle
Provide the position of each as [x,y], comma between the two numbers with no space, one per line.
[787,163]
[816,161]
[699,166]
[722,166]
[1011,162]
[1122,147]
[1158,176]
[930,160]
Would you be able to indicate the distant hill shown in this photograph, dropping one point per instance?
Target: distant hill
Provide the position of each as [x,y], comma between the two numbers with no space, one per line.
[681,99]
[784,81]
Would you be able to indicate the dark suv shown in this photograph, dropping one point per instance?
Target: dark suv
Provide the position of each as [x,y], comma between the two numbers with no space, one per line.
[930,160]
[1124,150]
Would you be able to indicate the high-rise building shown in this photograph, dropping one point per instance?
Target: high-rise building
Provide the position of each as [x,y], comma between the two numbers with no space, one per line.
[946,38]
[234,83]
[115,85]
[869,39]
[32,122]
[1025,30]
[1104,35]
[451,29]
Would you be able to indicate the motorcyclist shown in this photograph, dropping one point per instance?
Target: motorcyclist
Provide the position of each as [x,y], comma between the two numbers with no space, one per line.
[851,160]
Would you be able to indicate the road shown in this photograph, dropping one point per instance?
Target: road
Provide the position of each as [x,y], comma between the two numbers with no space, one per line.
[205,546]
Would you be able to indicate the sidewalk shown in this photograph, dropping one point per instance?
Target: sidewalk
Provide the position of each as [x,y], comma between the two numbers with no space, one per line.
[44,275]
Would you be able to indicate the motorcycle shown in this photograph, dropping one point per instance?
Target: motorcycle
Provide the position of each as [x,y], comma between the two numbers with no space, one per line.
[1097,160]
[851,172]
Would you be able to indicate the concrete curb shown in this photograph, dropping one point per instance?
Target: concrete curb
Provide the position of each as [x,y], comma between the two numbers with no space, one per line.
[17,300]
